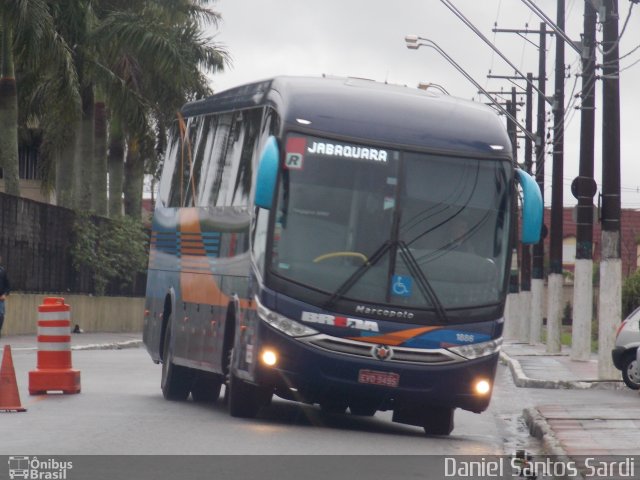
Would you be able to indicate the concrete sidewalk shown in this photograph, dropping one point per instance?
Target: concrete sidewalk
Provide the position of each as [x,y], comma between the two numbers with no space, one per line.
[532,367]
[611,427]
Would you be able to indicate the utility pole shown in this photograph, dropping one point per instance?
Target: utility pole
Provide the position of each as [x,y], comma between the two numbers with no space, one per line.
[556,278]
[537,268]
[525,259]
[584,188]
[609,311]
[513,310]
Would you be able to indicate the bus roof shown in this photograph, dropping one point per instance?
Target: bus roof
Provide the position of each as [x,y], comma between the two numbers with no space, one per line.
[370,111]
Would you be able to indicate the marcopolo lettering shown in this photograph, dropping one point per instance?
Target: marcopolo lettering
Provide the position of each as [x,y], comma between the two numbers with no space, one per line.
[348,151]
[383,312]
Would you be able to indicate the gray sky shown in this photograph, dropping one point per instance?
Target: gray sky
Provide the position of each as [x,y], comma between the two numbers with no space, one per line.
[365,38]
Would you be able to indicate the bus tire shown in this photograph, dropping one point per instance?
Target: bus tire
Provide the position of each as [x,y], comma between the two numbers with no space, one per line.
[206,387]
[334,407]
[439,421]
[243,398]
[176,380]
[363,410]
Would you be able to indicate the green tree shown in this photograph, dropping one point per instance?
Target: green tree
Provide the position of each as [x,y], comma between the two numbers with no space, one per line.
[114,250]
[161,54]
[138,60]
[631,293]
[29,39]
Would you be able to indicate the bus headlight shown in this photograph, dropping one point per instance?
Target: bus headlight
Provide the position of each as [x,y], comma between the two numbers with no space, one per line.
[482,387]
[269,357]
[477,350]
[282,323]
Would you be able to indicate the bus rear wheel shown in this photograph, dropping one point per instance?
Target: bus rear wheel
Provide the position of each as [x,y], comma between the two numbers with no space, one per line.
[176,380]
[206,387]
[439,421]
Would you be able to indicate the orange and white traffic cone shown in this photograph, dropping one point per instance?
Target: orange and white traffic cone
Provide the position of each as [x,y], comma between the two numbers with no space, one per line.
[54,370]
[9,395]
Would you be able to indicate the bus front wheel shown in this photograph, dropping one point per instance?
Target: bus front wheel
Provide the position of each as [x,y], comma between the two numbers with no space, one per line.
[246,399]
[439,421]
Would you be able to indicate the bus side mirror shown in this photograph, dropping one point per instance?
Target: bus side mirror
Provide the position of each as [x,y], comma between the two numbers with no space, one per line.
[267,174]
[532,208]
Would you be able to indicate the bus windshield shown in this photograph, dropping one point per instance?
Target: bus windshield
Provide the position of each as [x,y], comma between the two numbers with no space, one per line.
[392,227]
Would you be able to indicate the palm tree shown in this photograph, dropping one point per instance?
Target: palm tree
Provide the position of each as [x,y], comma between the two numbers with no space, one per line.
[99,183]
[28,36]
[142,58]
[145,58]
[159,51]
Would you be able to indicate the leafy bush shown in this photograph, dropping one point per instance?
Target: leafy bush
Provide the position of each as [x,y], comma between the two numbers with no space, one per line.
[114,249]
[631,293]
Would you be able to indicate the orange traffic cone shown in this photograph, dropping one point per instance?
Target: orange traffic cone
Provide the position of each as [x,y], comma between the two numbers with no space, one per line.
[54,370]
[9,396]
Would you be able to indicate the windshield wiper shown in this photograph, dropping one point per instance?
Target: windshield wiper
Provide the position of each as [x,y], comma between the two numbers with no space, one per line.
[355,276]
[423,284]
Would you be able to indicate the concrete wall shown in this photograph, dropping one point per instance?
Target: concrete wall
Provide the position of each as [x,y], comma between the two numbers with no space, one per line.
[93,314]
[32,189]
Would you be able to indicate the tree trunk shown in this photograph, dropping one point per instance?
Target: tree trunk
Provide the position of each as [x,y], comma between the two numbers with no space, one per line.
[99,197]
[116,167]
[133,181]
[8,116]
[65,173]
[83,158]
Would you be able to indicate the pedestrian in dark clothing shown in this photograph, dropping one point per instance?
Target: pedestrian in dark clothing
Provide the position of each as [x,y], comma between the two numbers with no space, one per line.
[5,287]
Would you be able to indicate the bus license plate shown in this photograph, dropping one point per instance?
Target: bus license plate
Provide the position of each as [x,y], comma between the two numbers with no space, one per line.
[372,377]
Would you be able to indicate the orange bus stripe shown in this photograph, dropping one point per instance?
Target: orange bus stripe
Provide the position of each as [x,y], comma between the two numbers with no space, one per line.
[395,338]
[197,287]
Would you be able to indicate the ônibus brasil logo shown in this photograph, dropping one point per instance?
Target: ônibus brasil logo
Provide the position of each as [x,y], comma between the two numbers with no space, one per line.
[32,468]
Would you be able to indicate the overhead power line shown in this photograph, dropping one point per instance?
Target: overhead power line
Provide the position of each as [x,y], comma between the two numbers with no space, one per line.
[624,27]
[475,30]
[543,16]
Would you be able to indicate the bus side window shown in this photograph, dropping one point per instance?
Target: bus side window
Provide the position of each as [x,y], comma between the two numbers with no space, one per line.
[191,154]
[185,132]
[244,171]
[204,158]
[214,176]
[170,161]
[259,237]
[270,126]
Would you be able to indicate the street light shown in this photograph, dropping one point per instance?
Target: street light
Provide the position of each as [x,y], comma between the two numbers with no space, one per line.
[415,41]
[427,85]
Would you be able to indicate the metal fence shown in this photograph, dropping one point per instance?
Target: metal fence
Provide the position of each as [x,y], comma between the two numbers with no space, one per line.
[35,243]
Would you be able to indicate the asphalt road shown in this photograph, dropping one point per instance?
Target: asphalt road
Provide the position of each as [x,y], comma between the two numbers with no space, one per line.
[121,411]
[120,426]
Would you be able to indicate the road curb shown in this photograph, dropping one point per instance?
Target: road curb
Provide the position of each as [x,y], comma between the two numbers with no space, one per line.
[540,429]
[520,379]
[109,346]
[93,346]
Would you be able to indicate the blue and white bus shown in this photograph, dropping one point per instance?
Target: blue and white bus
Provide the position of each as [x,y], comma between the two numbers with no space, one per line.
[338,242]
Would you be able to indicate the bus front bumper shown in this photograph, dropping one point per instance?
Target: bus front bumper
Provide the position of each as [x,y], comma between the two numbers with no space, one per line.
[307,373]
